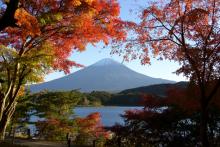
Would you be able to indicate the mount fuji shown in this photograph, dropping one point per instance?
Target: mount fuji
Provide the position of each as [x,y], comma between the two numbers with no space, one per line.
[104,75]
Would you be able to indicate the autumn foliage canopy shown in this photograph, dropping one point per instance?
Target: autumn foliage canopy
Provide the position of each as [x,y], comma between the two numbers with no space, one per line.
[56,28]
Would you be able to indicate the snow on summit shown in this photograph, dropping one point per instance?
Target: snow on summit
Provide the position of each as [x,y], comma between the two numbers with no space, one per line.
[106,61]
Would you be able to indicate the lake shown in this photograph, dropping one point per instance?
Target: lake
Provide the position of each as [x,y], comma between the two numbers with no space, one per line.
[110,115]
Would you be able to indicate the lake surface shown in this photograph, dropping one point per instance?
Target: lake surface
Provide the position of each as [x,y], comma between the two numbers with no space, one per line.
[110,115]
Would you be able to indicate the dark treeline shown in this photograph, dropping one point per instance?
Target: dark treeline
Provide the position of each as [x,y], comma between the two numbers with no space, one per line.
[95,98]
[130,97]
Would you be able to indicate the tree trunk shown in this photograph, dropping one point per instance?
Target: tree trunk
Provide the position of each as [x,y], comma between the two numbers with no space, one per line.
[5,119]
[3,125]
[204,126]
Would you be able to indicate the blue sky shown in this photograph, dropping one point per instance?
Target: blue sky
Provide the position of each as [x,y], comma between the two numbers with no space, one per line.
[157,69]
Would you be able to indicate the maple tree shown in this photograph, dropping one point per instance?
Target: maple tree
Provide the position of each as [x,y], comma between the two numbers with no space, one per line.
[47,32]
[169,121]
[91,128]
[186,31]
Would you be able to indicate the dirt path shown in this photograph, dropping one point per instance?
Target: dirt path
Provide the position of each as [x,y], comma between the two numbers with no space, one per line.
[33,143]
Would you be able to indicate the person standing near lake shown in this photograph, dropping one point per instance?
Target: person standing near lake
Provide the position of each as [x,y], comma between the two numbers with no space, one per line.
[68,138]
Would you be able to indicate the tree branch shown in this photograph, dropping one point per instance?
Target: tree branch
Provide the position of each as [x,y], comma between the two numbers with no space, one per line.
[8,17]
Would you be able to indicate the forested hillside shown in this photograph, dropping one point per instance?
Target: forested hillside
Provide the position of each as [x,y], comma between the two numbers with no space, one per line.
[130,97]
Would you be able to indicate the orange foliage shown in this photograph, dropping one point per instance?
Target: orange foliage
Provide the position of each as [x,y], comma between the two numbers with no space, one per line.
[92,125]
[27,23]
[65,25]
[185,31]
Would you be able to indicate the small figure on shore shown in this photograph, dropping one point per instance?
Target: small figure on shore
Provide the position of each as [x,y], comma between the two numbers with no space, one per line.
[68,138]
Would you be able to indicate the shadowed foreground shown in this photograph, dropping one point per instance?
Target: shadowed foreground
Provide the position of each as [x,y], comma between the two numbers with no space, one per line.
[36,143]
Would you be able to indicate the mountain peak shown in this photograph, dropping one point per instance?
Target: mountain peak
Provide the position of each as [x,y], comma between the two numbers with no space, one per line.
[104,75]
[106,61]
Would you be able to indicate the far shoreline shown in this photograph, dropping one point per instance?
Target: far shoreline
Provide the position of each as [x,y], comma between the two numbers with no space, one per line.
[79,106]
